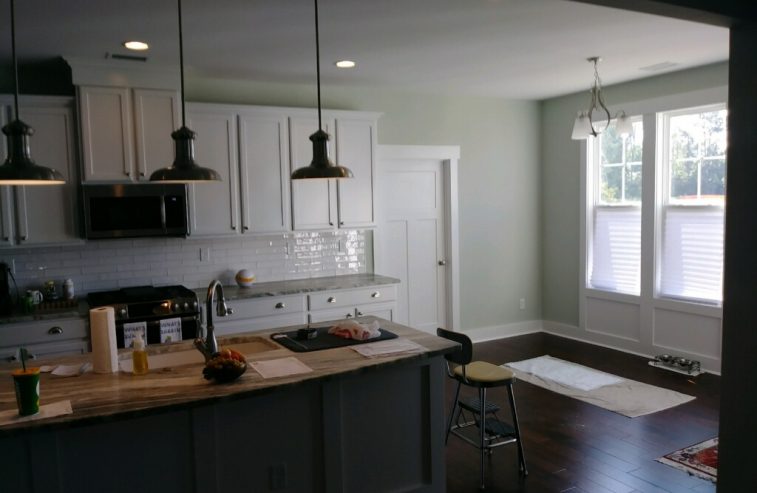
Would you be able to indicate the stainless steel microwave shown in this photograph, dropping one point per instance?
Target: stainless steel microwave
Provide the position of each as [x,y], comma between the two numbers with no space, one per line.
[134,210]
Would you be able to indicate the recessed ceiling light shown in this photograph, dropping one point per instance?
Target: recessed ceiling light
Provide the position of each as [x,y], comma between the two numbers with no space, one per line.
[345,64]
[136,45]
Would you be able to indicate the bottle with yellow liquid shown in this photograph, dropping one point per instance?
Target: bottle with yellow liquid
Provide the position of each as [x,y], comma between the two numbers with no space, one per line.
[139,356]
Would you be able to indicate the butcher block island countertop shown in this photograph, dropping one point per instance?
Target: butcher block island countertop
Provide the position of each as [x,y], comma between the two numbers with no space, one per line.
[353,424]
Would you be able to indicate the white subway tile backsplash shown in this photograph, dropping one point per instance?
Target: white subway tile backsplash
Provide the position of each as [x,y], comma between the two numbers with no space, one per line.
[110,264]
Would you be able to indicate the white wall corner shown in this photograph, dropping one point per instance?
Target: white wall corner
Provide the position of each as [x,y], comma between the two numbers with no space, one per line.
[494,332]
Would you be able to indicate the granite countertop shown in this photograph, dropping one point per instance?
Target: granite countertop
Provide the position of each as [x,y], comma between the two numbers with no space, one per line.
[273,288]
[98,397]
[282,288]
[80,310]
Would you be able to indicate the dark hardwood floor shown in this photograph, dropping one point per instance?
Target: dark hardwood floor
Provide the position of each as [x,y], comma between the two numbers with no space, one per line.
[576,447]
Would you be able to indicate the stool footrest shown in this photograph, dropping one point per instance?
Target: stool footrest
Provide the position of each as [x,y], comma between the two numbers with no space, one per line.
[495,427]
[474,405]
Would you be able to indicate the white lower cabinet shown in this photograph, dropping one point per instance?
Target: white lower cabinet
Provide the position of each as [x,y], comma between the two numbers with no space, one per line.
[44,338]
[271,312]
[262,313]
[380,301]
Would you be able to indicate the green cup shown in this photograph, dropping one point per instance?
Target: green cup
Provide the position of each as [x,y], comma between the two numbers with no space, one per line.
[27,390]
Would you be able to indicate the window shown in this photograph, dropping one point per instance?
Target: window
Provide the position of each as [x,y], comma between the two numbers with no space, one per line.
[694,167]
[615,256]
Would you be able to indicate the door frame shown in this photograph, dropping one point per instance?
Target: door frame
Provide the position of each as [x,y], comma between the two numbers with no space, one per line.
[449,156]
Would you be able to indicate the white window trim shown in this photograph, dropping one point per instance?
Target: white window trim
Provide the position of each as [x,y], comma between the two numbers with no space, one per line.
[651,224]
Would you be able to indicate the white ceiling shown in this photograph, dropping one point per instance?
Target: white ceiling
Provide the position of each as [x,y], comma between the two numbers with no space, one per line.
[522,49]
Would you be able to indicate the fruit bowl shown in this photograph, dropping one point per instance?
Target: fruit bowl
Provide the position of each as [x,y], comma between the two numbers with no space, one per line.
[225,366]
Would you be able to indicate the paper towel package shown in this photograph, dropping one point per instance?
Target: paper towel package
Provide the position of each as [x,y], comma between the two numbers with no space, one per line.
[102,322]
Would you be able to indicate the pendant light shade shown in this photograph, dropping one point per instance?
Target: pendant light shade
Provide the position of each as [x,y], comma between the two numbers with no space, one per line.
[586,125]
[184,168]
[320,166]
[19,168]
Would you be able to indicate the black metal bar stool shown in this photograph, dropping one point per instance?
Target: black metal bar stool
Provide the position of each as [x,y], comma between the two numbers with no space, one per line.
[492,432]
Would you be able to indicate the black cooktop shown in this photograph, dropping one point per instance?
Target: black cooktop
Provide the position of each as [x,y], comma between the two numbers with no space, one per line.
[139,294]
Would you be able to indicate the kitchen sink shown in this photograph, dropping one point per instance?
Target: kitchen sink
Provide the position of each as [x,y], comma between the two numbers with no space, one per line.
[248,346]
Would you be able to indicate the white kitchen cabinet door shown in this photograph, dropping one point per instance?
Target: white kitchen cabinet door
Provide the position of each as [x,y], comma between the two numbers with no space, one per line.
[106,133]
[264,172]
[49,214]
[156,116]
[355,144]
[43,215]
[214,207]
[313,201]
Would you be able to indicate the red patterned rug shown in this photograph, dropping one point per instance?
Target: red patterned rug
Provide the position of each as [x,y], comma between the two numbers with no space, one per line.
[700,460]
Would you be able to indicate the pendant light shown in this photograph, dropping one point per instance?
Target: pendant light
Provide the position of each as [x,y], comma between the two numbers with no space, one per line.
[184,168]
[583,126]
[320,166]
[19,168]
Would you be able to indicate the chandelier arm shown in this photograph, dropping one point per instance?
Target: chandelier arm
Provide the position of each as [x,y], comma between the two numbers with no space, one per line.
[602,105]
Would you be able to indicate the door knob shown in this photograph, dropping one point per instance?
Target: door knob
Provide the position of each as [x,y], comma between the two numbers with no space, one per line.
[442,262]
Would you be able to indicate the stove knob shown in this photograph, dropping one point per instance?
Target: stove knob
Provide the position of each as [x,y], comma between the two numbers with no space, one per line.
[186,306]
[176,307]
[122,313]
[195,306]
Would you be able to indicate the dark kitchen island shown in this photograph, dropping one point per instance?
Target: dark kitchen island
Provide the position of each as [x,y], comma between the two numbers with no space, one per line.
[353,424]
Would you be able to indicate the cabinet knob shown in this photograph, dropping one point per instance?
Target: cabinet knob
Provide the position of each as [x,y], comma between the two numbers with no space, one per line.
[376,294]
[55,331]
[442,262]
[359,313]
[233,228]
[331,223]
[127,173]
[280,305]
[331,299]
[24,237]
[341,223]
[349,315]
[245,228]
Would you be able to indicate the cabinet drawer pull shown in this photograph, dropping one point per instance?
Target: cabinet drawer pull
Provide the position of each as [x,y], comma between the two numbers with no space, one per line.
[331,223]
[349,315]
[359,313]
[331,300]
[280,305]
[376,294]
[233,228]
[55,331]
[341,223]
[246,228]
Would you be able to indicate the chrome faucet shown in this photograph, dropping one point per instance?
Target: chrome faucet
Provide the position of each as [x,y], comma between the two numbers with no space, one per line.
[209,346]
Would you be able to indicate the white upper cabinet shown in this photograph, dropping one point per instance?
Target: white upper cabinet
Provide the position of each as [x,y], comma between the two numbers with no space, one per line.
[214,207]
[43,215]
[264,171]
[345,203]
[126,133]
[156,116]
[355,144]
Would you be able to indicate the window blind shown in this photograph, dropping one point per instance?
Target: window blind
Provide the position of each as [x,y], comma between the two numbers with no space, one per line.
[616,249]
[692,253]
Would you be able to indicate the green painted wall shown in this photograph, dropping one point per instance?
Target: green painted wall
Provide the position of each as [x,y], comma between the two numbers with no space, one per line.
[499,180]
[560,179]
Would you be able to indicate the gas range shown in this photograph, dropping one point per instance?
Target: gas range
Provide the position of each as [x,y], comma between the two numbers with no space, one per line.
[158,312]
[147,301]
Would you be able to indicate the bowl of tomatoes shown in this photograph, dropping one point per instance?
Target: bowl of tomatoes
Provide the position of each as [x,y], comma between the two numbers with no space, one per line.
[225,366]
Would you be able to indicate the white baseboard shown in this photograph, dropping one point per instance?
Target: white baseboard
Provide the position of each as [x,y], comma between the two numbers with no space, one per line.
[494,332]
[710,365]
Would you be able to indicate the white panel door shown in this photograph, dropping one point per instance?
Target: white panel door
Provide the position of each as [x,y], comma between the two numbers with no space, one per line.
[264,173]
[214,207]
[106,133]
[411,239]
[48,214]
[313,201]
[355,143]
[156,116]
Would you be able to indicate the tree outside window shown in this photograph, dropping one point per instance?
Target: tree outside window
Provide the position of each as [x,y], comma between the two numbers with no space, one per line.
[620,166]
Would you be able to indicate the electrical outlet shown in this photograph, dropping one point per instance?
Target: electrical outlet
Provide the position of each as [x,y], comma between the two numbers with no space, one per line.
[204,254]
[522,303]
[277,477]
